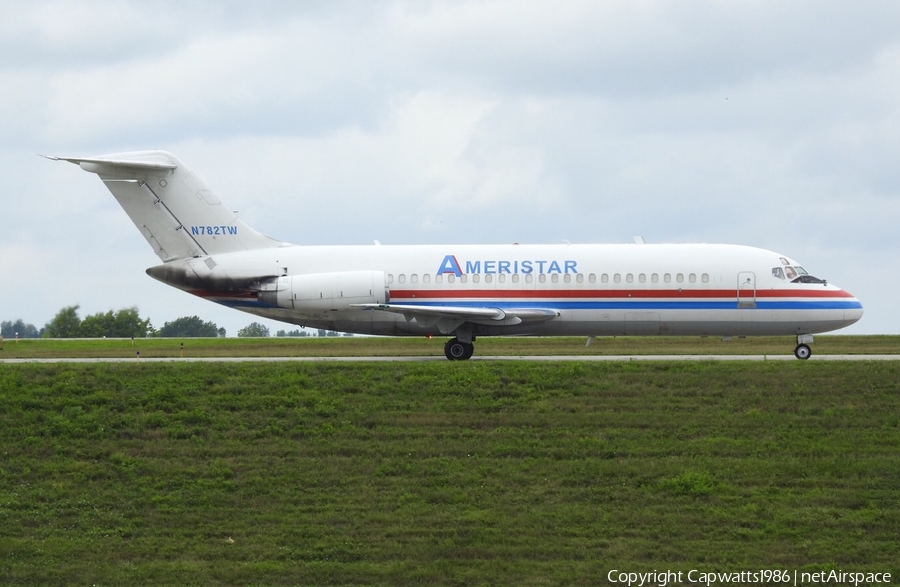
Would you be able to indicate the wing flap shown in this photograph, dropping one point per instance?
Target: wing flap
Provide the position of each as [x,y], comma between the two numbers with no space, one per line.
[494,316]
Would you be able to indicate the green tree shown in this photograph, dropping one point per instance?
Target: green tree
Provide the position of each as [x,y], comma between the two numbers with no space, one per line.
[253,329]
[8,329]
[65,324]
[129,323]
[97,325]
[295,332]
[122,324]
[189,326]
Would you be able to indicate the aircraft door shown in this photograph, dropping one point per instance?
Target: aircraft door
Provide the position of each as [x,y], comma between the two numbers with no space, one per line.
[746,289]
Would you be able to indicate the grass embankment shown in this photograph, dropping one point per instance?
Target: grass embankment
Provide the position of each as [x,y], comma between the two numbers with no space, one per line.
[490,346]
[444,473]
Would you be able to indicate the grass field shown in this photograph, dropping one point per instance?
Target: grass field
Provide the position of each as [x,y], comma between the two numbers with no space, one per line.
[444,473]
[383,346]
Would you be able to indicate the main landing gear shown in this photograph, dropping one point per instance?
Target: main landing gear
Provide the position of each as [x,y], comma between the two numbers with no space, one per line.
[456,350]
[802,351]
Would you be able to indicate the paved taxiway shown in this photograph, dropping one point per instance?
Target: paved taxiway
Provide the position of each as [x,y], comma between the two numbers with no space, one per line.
[556,358]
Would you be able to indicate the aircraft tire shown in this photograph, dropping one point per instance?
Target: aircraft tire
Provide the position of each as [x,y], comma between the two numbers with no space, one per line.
[455,350]
[803,352]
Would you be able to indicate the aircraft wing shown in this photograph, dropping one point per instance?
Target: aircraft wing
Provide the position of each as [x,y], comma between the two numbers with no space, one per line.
[428,315]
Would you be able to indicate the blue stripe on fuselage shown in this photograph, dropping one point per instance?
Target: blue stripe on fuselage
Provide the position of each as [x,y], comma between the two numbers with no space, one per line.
[611,305]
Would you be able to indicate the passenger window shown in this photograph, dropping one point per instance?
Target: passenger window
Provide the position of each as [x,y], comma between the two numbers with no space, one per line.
[476,278]
[679,278]
[592,278]
[579,278]
[414,278]
[390,278]
[464,278]
[426,278]
[501,278]
[542,278]
[515,278]
[705,278]
[617,278]
[692,278]
[439,279]
[642,278]
[488,278]
[554,278]
[605,278]
[529,278]
[777,272]
[451,279]
[667,278]
[629,278]
[654,278]
[567,278]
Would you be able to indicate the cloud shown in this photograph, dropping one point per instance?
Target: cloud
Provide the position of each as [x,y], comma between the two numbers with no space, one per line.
[475,121]
[630,49]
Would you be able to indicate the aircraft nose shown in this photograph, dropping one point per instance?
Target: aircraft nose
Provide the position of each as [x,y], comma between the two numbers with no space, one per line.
[853,311]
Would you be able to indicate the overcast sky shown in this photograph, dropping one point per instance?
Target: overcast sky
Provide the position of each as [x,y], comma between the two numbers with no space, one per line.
[767,123]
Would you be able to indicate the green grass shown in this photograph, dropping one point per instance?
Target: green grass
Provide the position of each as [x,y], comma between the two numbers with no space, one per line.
[443,473]
[385,346]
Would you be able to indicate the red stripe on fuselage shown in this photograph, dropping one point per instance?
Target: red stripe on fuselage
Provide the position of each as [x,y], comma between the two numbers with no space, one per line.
[612,293]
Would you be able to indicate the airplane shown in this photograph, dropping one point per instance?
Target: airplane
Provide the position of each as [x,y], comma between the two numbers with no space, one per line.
[465,291]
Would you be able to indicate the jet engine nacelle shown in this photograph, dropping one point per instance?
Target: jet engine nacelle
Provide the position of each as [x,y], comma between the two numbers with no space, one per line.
[320,292]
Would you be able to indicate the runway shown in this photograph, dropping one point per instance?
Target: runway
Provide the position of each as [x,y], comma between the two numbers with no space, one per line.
[435,358]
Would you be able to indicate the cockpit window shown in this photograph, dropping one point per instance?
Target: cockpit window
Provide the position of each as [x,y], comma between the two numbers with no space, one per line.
[784,261]
[806,278]
[796,273]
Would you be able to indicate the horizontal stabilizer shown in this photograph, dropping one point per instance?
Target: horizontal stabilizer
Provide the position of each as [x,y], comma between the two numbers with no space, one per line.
[121,163]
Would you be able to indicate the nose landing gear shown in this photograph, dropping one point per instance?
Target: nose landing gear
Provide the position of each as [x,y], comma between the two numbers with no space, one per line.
[802,351]
[456,350]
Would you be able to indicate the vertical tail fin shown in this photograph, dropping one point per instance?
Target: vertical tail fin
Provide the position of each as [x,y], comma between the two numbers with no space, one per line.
[178,215]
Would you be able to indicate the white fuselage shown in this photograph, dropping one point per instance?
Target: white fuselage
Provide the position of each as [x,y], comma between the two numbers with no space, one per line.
[593,290]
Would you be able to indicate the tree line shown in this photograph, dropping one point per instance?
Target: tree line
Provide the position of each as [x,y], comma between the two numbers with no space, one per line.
[127,323]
